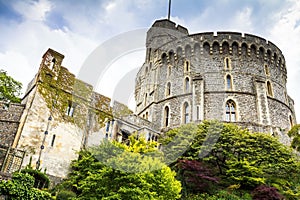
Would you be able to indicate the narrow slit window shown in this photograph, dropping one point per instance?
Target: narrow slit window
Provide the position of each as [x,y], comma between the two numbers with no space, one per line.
[269,89]
[187,84]
[168,91]
[186,116]
[227,63]
[53,140]
[166,113]
[229,82]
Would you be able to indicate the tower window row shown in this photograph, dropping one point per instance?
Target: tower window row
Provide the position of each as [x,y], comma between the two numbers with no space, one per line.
[230,113]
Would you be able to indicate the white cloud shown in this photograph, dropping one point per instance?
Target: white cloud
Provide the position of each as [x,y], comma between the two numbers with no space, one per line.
[33,10]
[286,35]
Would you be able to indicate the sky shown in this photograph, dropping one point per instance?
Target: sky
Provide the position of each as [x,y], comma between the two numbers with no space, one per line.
[77,28]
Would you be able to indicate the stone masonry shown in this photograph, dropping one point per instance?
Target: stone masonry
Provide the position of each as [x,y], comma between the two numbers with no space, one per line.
[225,76]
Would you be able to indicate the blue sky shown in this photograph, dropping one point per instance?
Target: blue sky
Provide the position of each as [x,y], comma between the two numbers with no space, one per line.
[75,28]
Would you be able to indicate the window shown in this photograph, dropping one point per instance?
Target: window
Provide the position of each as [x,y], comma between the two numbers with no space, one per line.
[168,91]
[228,82]
[230,113]
[70,109]
[164,58]
[146,116]
[169,71]
[267,72]
[171,57]
[186,66]
[198,113]
[53,140]
[269,89]
[52,63]
[227,63]
[166,116]
[186,84]
[186,118]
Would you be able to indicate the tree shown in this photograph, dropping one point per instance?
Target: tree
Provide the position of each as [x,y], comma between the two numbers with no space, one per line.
[117,171]
[239,156]
[21,188]
[294,134]
[10,89]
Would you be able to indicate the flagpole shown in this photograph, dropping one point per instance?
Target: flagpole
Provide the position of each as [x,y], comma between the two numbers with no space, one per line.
[169,13]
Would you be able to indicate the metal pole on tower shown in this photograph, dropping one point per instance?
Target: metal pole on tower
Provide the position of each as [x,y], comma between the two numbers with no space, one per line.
[169,12]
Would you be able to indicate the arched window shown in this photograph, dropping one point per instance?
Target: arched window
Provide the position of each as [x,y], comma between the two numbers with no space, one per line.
[216,48]
[171,57]
[235,48]
[196,49]
[146,70]
[164,58]
[188,50]
[253,50]
[206,48]
[269,55]
[227,63]
[261,53]
[269,89]
[186,116]
[168,90]
[228,82]
[225,48]
[179,52]
[244,49]
[166,116]
[186,84]
[230,111]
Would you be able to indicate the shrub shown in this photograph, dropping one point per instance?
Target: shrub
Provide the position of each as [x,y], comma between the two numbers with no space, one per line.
[264,192]
[41,180]
[65,195]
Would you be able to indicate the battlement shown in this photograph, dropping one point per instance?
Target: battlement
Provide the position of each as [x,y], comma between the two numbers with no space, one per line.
[164,23]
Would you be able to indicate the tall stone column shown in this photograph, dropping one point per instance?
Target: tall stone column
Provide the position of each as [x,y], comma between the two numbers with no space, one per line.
[262,101]
[198,98]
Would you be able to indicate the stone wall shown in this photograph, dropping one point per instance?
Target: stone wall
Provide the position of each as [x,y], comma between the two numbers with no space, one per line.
[10,115]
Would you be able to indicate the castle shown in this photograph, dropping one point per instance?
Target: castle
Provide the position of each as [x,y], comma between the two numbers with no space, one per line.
[186,78]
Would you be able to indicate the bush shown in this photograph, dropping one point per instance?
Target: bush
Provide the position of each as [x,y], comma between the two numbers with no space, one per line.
[65,195]
[220,195]
[41,180]
[264,192]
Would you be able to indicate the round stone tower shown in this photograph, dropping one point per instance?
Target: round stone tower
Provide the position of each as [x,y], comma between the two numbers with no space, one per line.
[225,76]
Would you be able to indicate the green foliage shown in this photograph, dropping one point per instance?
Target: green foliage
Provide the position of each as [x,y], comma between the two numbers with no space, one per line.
[240,157]
[294,133]
[117,171]
[65,195]
[41,180]
[10,89]
[21,188]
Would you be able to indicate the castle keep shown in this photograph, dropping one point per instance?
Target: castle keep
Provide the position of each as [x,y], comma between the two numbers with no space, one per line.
[225,76]
[186,78]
